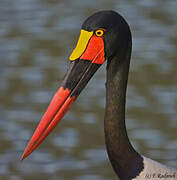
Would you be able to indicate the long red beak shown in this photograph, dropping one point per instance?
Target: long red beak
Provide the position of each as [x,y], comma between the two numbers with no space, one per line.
[79,73]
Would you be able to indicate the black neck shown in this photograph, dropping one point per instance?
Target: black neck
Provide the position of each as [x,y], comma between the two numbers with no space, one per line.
[126,162]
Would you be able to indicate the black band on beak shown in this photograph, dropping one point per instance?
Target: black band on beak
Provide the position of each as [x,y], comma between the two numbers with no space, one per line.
[78,74]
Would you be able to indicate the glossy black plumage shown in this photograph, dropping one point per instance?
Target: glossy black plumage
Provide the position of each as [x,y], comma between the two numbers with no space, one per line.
[126,162]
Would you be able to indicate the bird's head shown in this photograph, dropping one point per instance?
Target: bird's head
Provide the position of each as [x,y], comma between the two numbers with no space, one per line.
[102,36]
[105,31]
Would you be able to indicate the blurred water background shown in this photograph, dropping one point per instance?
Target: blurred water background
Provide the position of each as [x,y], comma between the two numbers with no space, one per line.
[36,39]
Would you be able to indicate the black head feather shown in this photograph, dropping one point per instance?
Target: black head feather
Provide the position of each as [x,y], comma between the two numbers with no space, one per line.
[117,32]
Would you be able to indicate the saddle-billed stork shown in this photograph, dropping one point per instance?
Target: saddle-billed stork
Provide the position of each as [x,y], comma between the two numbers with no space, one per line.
[104,36]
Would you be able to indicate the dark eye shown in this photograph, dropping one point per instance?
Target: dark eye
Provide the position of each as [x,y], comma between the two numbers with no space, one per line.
[99,32]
